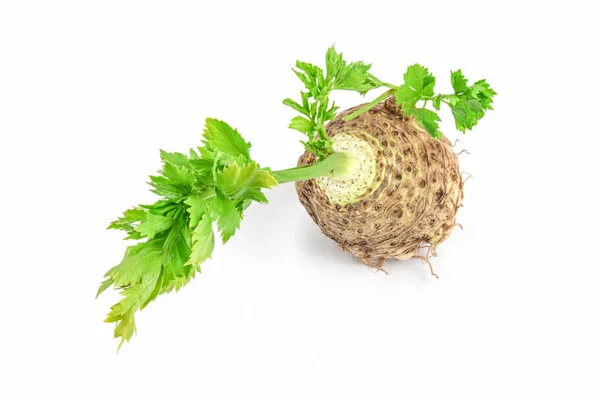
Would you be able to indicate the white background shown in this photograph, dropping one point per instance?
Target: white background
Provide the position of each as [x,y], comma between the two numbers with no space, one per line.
[89,91]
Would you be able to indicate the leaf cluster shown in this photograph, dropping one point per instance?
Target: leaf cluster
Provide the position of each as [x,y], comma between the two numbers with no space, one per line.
[468,103]
[314,106]
[212,185]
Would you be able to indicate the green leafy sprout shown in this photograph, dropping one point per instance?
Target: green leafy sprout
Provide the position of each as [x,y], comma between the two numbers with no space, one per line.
[214,184]
[468,103]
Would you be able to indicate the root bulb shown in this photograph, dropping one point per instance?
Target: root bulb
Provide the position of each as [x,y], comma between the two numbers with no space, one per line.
[412,200]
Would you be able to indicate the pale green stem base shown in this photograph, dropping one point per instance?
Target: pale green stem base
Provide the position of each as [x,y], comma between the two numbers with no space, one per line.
[336,165]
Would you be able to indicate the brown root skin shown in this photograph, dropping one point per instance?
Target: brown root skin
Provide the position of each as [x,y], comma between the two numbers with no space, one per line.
[414,202]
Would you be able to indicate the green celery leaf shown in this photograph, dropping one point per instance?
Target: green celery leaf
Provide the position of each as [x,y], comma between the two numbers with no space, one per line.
[334,61]
[153,224]
[137,261]
[136,294]
[104,285]
[201,166]
[436,102]
[197,205]
[418,83]
[179,227]
[301,124]
[134,297]
[291,103]
[428,85]
[475,106]
[175,158]
[203,241]
[220,136]
[469,103]
[332,112]
[428,120]
[125,327]
[407,97]
[459,82]
[227,215]
[129,218]
[417,77]
[175,182]
[176,273]
[462,116]
[312,72]
[304,79]
[484,93]
[245,181]
[355,76]
[161,207]
[156,291]
[193,155]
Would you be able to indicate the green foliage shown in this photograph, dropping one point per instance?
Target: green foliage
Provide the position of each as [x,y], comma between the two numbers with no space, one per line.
[153,224]
[203,241]
[228,218]
[315,107]
[428,120]
[239,182]
[222,137]
[468,103]
[418,83]
[213,185]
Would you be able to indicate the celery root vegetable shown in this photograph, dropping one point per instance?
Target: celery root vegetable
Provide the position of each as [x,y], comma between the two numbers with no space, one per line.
[380,179]
[409,197]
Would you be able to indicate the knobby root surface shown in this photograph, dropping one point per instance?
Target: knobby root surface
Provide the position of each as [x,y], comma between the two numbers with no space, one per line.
[413,201]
